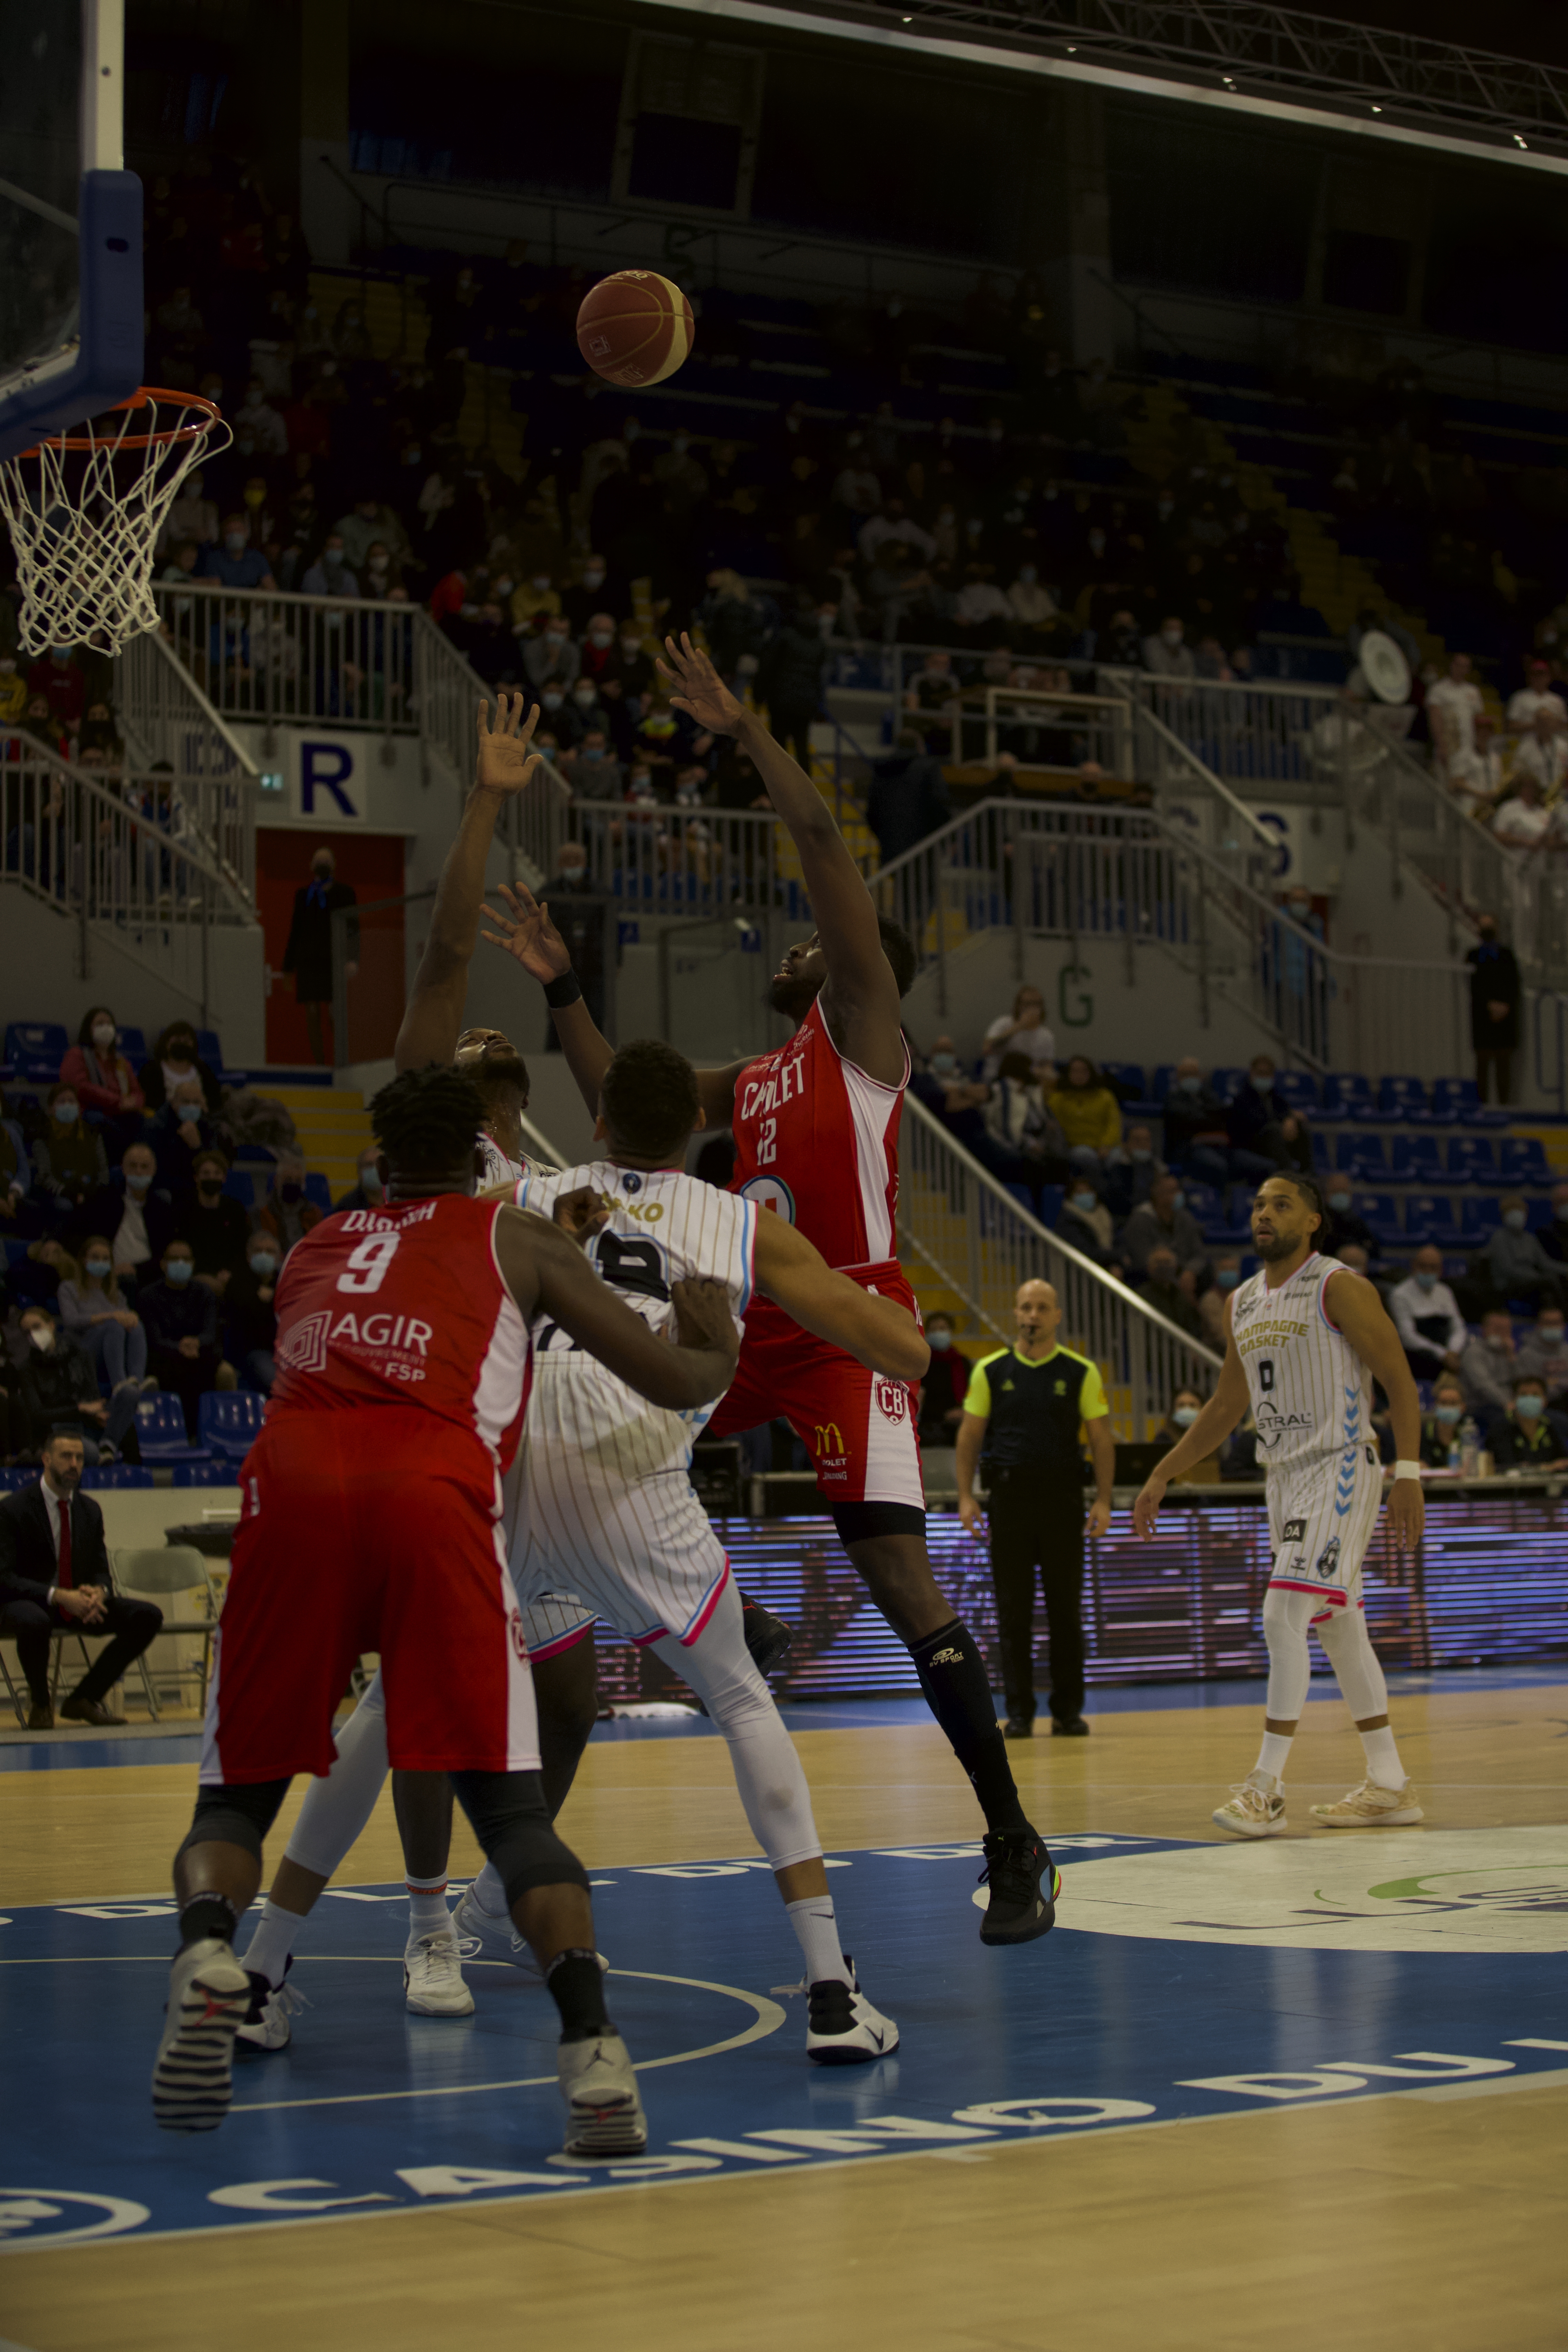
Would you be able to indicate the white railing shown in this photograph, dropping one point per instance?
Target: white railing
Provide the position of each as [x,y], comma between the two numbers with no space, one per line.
[266,658]
[957,1220]
[671,861]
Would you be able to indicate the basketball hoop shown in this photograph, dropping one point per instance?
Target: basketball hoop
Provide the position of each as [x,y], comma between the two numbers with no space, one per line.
[85,510]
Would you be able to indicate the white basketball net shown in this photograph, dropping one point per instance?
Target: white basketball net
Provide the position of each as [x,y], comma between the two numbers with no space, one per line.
[85,510]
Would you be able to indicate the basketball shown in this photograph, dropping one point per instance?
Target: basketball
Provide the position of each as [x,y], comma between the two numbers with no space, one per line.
[634,328]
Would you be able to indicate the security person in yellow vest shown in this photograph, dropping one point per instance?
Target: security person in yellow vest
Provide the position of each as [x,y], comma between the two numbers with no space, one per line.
[1021,1422]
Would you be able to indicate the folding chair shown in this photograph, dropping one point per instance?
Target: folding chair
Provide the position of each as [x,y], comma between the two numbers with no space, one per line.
[172,1568]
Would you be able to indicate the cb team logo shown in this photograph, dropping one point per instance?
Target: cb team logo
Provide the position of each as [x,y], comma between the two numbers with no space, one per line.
[892,1400]
[771,1192]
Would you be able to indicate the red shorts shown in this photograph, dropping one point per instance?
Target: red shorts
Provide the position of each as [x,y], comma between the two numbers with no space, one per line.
[375,1528]
[857,1427]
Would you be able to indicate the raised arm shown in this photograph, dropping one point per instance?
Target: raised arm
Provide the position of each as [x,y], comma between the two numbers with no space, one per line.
[526,932]
[547,1272]
[432,1019]
[1208,1433]
[878,1332]
[860,999]
[1361,1315]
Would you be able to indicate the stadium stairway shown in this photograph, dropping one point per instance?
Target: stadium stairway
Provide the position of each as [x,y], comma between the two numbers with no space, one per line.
[334,1126]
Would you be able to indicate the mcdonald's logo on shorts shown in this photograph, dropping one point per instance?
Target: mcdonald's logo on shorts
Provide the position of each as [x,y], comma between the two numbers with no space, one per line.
[829,1440]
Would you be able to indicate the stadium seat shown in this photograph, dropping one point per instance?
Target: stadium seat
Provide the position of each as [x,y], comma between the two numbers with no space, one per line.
[133,1045]
[205,1473]
[318,1190]
[1160,1079]
[1360,1155]
[1478,1219]
[1542,1215]
[1125,1077]
[1472,1159]
[1226,1083]
[1522,1159]
[1296,1089]
[211,1052]
[1454,1099]
[1402,1097]
[161,1431]
[1381,1211]
[1346,1092]
[118,1474]
[1051,1199]
[230,1422]
[1429,1217]
[35,1049]
[12,1481]
[1417,1161]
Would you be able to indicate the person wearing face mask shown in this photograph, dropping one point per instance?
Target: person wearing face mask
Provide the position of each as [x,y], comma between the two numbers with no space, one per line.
[535,602]
[1345,1228]
[1496,995]
[94,1312]
[234,563]
[250,1314]
[214,1225]
[1084,1221]
[1489,1364]
[368,1190]
[1426,1316]
[285,1213]
[69,1162]
[1132,1172]
[368,524]
[1440,1427]
[1211,1301]
[551,661]
[598,652]
[1256,1122]
[19,1214]
[1165,1222]
[329,575]
[1186,1407]
[582,713]
[1166,653]
[1545,1353]
[181,1318]
[173,1060]
[59,1386]
[309,952]
[592,769]
[1512,1265]
[178,1132]
[942,1386]
[1197,1139]
[135,1213]
[1528,1436]
[103,1078]
[1171,1291]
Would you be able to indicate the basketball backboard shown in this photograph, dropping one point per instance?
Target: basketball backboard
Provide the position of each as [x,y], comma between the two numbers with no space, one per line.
[70,220]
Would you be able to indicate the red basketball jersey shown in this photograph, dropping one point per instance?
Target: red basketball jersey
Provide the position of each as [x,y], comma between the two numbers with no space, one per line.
[404,1306]
[817,1141]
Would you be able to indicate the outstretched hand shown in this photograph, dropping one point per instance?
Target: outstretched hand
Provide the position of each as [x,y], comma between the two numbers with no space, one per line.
[528,934]
[703,695]
[505,763]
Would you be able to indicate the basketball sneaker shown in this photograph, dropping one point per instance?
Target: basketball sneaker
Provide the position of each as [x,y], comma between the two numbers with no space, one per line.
[209,1998]
[478,1930]
[1255,1806]
[604,2114]
[767,1636]
[842,2028]
[1370,1808]
[1016,1861]
[433,1976]
[266,2024]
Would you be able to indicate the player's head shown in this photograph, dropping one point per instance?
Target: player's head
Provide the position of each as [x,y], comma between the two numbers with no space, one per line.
[1037,1312]
[649,1105]
[798,980]
[1287,1215]
[425,1122]
[496,1067]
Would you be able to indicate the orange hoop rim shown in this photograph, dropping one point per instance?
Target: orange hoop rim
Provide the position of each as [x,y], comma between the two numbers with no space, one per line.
[138,399]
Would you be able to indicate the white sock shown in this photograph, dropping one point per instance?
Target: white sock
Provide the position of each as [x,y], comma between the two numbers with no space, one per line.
[426,1906]
[1382,1764]
[1272,1754]
[489,1893]
[268,1949]
[812,1921]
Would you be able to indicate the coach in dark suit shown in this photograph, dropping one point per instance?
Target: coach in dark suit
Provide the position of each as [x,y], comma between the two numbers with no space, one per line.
[55,1578]
[309,953]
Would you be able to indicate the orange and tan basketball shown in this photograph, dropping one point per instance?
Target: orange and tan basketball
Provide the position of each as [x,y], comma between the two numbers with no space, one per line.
[635,327]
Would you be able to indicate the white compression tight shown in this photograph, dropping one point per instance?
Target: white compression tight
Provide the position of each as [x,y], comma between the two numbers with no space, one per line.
[336,1810]
[1343,1634]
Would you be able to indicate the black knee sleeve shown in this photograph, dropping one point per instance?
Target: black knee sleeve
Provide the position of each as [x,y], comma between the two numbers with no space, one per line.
[512,1822]
[859,1522]
[240,1815]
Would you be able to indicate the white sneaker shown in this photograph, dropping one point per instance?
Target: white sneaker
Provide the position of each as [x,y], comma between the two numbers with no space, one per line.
[604,2112]
[842,2028]
[1370,1808]
[1255,1806]
[266,2024]
[478,1930]
[433,1976]
[193,2079]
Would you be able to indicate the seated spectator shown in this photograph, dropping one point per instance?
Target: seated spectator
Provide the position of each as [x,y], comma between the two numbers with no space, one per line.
[1034,608]
[215,1226]
[1528,1436]
[1186,1407]
[1426,1316]
[62,684]
[1258,1143]
[1489,1364]
[1542,753]
[1537,691]
[1546,1352]
[181,1318]
[59,1387]
[1440,1427]
[1170,1292]
[1197,1136]
[1555,1240]
[172,1058]
[329,575]
[135,1213]
[592,769]
[1025,1030]
[1347,1230]
[236,564]
[285,1213]
[103,1078]
[369,1191]
[178,1132]
[1511,1264]
[534,601]
[1225,1268]
[1352,1253]
[1476,776]
[1085,1223]
[487,645]
[16,1174]
[942,1383]
[249,1313]
[1087,1114]
[1166,653]
[906,799]
[369,524]
[958,1101]
[259,427]
[1130,1172]
[551,661]
[94,1313]
[1522,820]
[1165,1222]
[70,1162]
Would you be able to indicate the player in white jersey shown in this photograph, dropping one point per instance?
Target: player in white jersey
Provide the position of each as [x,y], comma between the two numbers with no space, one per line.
[1306,1337]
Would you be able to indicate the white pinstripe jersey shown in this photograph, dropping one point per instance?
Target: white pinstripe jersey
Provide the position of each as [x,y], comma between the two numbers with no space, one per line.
[664,1227]
[1311,1393]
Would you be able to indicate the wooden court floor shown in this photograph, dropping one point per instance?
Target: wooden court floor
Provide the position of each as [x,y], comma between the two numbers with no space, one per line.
[1428,2222]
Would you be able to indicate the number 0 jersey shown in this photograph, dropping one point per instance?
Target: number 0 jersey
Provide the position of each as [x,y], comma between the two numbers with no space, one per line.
[1311,1393]
[817,1141]
[404,1306]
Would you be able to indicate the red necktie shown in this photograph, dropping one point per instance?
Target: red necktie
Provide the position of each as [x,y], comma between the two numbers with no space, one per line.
[63,1579]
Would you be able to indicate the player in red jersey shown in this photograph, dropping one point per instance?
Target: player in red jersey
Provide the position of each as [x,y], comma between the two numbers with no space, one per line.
[371,1510]
[816,1129]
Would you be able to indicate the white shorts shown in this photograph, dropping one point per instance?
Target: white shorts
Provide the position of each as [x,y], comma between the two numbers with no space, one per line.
[1321,1515]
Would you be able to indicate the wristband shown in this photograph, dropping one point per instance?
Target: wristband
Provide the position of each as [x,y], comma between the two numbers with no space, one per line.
[560,994]
[1407,1470]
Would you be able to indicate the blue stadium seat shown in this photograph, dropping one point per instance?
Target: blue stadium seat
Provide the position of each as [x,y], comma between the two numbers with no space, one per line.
[1203,1201]
[230,1422]
[1160,1079]
[13,1481]
[1226,1083]
[317,1189]
[1296,1089]
[1402,1097]
[118,1474]
[1472,1159]
[133,1045]
[1522,1159]
[1429,1217]
[35,1049]
[1051,1199]
[161,1431]
[1417,1161]
[211,1052]
[1542,1215]
[1344,1093]
[1360,1155]
[205,1473]
[1381,1211]
[1454,1099]
[1128,1074]
[1478,1219]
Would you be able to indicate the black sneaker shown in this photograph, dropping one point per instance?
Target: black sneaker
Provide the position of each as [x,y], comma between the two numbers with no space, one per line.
[767,1636]
[1020,1908]
[1019,1726]
[1075,1727]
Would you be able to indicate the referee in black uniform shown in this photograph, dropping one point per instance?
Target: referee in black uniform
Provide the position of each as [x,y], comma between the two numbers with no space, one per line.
[1022,1417]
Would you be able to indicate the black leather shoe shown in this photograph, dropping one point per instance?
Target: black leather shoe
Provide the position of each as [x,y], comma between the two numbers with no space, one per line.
[1019,1726]
[85,1710]
[42,1718]
[1074,1728]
